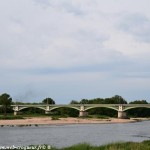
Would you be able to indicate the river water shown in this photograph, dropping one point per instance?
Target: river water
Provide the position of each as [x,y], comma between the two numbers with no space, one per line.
[66,135]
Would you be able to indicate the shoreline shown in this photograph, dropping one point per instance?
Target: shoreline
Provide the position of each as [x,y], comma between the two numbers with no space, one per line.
[66,121]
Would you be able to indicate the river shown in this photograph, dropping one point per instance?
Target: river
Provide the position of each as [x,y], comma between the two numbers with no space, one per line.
[66,135]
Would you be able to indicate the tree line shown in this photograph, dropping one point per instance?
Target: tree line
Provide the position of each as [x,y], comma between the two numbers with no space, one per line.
[6,102]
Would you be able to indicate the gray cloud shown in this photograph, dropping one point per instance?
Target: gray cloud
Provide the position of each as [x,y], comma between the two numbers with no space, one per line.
[137,25]
[73,47]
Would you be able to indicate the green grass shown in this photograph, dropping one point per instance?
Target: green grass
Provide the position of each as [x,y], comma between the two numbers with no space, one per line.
[97,116]
[34,115]
[10,117]
[102,117]
[145,145]
[55,118]
[114,146]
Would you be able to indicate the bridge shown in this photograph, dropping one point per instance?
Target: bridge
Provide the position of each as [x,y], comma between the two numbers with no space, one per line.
[82,108]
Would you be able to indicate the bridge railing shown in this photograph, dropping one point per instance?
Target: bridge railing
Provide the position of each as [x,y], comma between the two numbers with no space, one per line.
[102,105]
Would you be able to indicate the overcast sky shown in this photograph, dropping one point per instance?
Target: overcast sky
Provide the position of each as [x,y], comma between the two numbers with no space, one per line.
[74,49]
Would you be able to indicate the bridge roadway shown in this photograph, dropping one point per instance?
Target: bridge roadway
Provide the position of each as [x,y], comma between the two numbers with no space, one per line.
[82,108]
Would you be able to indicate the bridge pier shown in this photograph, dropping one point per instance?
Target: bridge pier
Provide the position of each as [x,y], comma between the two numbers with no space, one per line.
[16,113]
[47,112]
[122,115]
[83,114]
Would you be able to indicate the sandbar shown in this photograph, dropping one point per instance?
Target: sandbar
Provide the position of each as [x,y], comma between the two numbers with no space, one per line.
[69,120]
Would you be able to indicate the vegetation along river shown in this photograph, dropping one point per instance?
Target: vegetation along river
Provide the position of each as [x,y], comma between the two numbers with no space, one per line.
[66,135]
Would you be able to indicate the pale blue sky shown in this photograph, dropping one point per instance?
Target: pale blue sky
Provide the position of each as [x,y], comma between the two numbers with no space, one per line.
[74,49]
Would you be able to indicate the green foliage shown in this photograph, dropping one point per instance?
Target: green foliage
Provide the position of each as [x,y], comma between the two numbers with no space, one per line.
[113,100]
[102,117]
[83,146]
[32,110]
[84,101]
[139,112]
[70,112]
[139,102]
[48,101]
[74,102]
[103,111]
[10,117]
[145,145]
[97,101]
[55,118]
[5,101]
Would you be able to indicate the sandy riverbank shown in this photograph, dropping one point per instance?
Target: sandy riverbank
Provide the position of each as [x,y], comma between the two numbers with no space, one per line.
[69,120]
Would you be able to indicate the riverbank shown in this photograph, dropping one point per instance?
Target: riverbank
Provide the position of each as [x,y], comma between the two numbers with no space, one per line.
[145,145]
[69,120]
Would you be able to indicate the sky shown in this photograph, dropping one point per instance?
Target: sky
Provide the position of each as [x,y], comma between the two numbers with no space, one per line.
[74,49]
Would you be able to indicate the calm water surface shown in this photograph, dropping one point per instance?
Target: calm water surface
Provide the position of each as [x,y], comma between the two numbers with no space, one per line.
[66,135]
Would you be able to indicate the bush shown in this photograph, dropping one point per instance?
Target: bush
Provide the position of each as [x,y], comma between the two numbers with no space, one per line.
[102,117]
[10,117]
[145,145]
[55,118]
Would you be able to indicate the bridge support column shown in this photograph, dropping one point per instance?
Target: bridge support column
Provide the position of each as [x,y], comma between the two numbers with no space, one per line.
[47,112]
[16,113]
[16,110]
[83,114]
[122,115]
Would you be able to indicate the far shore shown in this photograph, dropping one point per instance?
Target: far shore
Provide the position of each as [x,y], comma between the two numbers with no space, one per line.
[69,120]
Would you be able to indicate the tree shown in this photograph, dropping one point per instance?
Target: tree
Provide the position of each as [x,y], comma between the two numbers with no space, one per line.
[139,112]
[5,101]
[139,102]
[48,101]
[96,101]
[84,101]
[115,100]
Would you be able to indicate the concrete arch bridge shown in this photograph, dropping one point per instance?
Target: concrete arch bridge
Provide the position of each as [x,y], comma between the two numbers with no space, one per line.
[83,108]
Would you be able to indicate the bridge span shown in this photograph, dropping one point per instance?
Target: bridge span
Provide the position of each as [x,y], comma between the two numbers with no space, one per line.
[82,108]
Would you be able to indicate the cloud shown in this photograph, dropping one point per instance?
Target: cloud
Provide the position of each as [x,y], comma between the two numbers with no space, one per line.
[60,41]
[73,47]
[137,25]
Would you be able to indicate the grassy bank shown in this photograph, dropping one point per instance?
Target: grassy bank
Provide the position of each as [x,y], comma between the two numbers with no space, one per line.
[145,145]
[10,117]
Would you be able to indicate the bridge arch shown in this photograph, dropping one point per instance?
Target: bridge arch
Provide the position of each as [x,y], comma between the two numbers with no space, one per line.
[128,108]
[143,111]
[100,107]
[26,107]
[57,107]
